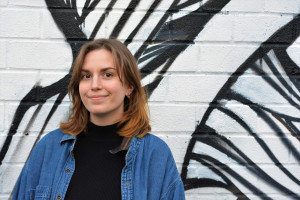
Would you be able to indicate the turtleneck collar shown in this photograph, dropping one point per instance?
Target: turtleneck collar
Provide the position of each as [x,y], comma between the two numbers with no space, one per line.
[108,132]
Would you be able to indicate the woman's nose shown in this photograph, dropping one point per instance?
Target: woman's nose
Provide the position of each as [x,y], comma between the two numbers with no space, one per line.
[96,83]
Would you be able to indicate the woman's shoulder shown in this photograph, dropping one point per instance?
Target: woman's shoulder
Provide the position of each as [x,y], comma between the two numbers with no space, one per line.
[53,138]
[154,143]
[153,139]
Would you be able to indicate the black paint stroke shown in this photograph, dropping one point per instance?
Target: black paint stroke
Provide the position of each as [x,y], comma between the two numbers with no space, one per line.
[175,37]
[102,18]
[36,96]
[124,18]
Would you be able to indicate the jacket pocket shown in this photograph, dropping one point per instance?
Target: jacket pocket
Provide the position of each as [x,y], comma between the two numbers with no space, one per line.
[40,193]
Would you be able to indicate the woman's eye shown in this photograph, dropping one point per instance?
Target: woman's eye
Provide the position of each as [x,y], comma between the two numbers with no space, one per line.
[107,75]
[86,76]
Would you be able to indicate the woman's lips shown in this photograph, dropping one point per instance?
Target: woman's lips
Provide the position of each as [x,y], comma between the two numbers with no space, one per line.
[97,97]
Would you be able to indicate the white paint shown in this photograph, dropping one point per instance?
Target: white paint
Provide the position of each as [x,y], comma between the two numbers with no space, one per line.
[197,170]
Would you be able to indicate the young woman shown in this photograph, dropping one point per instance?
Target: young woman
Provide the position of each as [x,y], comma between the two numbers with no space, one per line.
[104,151]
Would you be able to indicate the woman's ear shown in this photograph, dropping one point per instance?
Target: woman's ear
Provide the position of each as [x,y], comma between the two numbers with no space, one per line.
[129,91]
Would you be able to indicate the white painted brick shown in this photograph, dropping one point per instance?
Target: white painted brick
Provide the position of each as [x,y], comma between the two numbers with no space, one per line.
[146,80]
[3,2]
[294,52]
[134,47]
[257,90]
[11,111]
[144,31]
[9,177]
[289,6]
[297,42]
[15,85]
[294,170]
[2,114]
[172,118]
[2,54]
[160,93]
[296,145]
[278,110]
[36,3]
[61,114]
[266,68]
[49,27]
[219,28]
[90,23]
[101,5]
[256,151]
[244,112]
[200,111]
[223,58]
[39,55]
[193,88]
[192,7]
[4,197]
[165,5]
[245,6]
[210,197]
[144,5]
[208,192]
[47,78]
[257,28]
[19,23]
[265,128]
[178,145]
[192,53]
[19,148]
[224,124]
[275,173]
[37,124]
[112,21]
[270,195]
[120,5]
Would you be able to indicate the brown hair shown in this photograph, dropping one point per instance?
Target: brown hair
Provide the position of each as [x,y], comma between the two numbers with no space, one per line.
[135,120]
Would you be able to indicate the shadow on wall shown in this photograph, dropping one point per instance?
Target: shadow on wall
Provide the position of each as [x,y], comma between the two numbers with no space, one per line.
[209,151]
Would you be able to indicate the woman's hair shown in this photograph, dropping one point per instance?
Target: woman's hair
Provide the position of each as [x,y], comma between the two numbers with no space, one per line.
[135,120]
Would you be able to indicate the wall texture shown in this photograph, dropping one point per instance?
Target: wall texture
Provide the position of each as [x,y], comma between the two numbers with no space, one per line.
[223,77]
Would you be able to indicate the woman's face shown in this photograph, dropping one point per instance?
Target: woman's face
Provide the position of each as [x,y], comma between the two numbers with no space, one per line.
[100,88]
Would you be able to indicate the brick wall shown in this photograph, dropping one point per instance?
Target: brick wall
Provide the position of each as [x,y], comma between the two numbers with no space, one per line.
[223,78]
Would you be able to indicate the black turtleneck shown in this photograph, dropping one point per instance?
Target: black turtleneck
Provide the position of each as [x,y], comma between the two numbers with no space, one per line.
[97,172]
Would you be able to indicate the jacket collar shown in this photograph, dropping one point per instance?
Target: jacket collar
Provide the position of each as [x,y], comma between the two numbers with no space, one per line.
[67,137]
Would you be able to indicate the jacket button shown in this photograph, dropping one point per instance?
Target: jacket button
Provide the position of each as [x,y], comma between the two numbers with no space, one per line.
[58,197]
[68,170]
[127,184]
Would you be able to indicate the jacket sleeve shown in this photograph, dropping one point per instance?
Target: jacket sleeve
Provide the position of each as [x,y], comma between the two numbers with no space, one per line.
[21,191]
[175,188]
[175,191]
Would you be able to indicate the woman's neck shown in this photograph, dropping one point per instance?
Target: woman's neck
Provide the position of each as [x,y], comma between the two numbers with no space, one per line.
[104,121]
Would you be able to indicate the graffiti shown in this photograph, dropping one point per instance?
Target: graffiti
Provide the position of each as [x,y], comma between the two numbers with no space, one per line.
[275,72]
[210,153]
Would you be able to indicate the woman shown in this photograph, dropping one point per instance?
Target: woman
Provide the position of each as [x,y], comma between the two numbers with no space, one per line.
[104,151]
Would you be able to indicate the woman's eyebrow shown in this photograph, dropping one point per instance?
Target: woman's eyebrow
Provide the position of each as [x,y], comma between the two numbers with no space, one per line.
[103,69]
[107,68]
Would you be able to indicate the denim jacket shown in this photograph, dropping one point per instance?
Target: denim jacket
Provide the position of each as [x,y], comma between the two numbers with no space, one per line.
[149,173]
